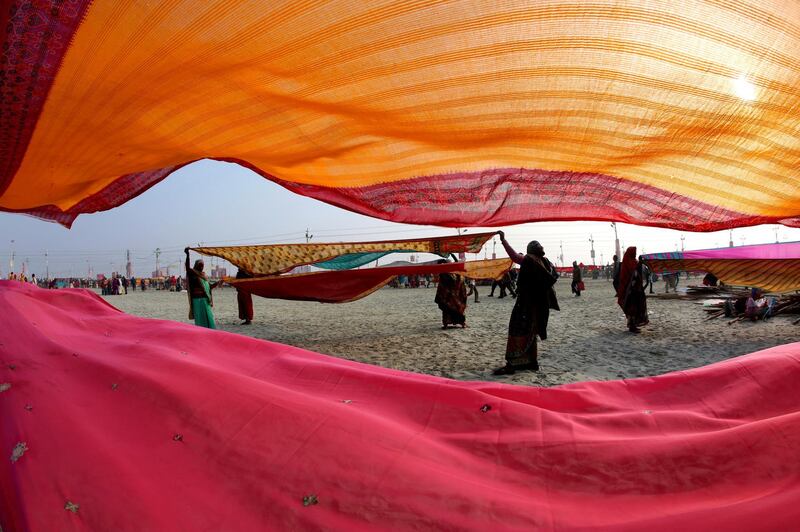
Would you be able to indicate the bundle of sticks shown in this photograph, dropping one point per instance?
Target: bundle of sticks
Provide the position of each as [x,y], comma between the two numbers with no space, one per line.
[784,304]
[705,292]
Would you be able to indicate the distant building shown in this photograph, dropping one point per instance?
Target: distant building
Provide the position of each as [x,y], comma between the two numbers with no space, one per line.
[219,272]
[158,273]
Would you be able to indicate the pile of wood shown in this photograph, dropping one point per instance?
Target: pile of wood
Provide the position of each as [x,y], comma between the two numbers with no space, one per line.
[784,304]
[704,292]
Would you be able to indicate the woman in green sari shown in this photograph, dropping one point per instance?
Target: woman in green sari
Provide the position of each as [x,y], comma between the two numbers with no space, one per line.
[199,290]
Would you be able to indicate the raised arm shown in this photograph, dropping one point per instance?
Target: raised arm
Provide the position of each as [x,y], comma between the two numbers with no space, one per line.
[513,255]
[188,266]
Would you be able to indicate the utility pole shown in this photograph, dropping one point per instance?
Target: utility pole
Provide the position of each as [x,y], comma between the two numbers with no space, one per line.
[616,241]
[591,240]
[730,243]
[776,234]
[128,265]
[11,262]
[561,256]
[47,265]
[462,257]
[683,238]
[157,252]
[602,261]
[494,248]
[308,236]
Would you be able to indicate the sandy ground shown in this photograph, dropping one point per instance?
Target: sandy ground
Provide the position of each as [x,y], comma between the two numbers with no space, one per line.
[401,329]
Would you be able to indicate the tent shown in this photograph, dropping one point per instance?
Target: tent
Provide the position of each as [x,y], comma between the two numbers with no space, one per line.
[772,267]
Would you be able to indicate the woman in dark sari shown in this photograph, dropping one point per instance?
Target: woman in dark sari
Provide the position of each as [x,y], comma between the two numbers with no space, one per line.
[630,293]
[451,296]
[577,279]
[535,298]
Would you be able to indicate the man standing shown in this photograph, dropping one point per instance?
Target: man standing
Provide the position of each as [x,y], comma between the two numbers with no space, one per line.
[472,286]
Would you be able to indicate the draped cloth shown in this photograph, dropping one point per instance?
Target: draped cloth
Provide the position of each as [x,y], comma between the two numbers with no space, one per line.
[280,258]
[771,267]
[451,298]
[115,422]
[350,285]
[450,113]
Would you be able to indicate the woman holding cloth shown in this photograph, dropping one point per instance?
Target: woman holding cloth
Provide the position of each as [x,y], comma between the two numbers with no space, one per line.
[535,298]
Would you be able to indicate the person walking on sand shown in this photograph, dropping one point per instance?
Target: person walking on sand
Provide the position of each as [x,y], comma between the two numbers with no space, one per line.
[473,288]
[535,298]
[200,298]
[647,275]
[244,299]
[630,294]
[577,279]
[451,297]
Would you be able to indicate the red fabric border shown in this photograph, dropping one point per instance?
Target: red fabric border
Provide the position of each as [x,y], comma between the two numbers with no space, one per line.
[35,36]
[336,286]
[489,198]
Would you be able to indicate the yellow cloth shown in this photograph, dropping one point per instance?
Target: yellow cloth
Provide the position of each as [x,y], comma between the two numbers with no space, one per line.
[778,275]
[279,258]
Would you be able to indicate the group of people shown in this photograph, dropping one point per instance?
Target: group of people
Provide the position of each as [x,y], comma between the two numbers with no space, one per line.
[536,297]
[22,278]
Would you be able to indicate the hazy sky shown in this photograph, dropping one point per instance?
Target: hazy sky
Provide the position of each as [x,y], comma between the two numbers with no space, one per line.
[223,204]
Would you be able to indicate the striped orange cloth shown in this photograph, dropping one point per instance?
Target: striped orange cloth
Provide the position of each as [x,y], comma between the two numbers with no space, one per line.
[772,267]
[772,276]
[280,258]
[452,113]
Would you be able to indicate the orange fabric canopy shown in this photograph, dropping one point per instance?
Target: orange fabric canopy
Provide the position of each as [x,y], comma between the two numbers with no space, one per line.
[450,113]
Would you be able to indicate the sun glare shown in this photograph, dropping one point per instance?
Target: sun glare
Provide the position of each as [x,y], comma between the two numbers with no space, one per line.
[744,89]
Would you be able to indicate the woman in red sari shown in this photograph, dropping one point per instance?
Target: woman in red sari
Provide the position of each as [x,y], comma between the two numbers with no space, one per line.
[244,299]
[630,292]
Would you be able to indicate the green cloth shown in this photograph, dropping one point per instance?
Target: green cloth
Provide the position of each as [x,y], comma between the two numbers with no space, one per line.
[354,260]
[201,307]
